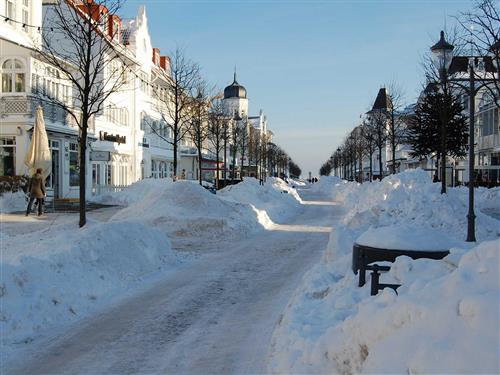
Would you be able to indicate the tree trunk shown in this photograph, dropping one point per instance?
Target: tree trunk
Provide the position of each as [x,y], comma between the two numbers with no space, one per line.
[83,151]
[380,162]
[360,169]
[217,184]
[225,157]
[393,143]
[443,143]
[371,166]
[199,164]
[175,158]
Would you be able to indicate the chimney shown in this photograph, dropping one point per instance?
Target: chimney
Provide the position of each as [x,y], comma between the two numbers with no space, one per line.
[165,63]
[114,26]
[156,56]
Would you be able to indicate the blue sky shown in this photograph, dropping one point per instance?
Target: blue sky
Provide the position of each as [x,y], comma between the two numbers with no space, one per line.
[312,66]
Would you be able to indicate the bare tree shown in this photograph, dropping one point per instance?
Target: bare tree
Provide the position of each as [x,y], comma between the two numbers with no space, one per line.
[198,129]
[215,132]
[176,107]
[369,135]
[395,124]
[78,41]
[481,31]
[377,124]
[242,145]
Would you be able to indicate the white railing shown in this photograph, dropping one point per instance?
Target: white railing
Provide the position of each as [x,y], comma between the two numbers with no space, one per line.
[104,189]
[488,141]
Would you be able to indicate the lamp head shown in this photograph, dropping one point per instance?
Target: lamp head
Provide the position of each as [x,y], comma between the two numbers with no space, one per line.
[442,54]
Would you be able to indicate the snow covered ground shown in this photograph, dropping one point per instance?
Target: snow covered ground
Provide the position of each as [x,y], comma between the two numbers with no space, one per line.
[13,202]
[55,274]
[212,314]
[276,198]
[445,318]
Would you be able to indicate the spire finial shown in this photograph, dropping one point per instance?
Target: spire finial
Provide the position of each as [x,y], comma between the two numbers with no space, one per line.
[234,81]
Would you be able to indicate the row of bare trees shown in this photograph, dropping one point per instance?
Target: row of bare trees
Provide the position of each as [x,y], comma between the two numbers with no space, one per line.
[437,127]
[79,42]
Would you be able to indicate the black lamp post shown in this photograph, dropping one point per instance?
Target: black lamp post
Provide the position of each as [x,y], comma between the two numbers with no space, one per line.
[442,53]
[447,65]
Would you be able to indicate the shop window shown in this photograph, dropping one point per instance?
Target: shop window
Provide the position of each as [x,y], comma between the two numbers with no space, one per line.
[74,173]
[7,156]
[13,76]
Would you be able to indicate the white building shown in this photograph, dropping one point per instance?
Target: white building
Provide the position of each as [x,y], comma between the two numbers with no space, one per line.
[22,75]
[236,107]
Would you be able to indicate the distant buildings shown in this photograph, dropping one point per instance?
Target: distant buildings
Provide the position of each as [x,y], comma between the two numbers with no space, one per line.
[129,139]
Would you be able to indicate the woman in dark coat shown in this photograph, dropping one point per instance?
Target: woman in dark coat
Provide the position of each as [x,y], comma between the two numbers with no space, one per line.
[37,191]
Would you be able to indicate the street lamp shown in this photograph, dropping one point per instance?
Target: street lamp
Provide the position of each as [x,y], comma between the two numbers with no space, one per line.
[447,65]
[442,55]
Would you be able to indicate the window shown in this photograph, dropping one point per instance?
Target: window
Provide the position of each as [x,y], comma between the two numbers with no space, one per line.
[74,176]
[143,121]
[7,156]
[25,12]
[488,116]
[10,10]
[13,79]
[144,82]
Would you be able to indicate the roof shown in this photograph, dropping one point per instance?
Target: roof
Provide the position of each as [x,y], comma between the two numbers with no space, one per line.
[382,101]
[235,90]
[461,64]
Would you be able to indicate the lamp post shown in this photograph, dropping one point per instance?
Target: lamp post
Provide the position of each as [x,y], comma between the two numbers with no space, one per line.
[447,64]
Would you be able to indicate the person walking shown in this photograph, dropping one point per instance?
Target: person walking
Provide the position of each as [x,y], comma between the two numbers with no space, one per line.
[37,191]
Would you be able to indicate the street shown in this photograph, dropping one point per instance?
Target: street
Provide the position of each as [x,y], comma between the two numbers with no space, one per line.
[215,315]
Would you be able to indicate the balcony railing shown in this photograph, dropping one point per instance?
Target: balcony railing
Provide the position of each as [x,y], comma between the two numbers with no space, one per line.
[488,142]
[26,106]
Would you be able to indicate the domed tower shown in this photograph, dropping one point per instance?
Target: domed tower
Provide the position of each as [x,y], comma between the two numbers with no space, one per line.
[235,99]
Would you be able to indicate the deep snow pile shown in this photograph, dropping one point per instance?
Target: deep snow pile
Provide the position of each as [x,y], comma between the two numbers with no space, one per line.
[446,316]
[133,193]
[411,198]
[330,186]
[61,274]
[184,208]
[12,202]
[275,197]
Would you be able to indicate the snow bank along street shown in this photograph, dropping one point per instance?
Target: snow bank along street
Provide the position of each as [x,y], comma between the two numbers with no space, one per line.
[253,279]
[445,318]
[178,280]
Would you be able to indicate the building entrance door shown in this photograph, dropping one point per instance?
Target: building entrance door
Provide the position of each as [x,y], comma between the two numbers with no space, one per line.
[53,181]
[96,177]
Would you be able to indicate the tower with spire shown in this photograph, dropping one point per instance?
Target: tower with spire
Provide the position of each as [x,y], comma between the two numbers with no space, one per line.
[235,99]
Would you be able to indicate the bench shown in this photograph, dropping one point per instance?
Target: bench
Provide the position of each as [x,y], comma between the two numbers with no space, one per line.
[363,257]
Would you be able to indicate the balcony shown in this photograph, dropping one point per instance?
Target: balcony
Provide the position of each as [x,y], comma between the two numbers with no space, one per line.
[26,106]
[488,142]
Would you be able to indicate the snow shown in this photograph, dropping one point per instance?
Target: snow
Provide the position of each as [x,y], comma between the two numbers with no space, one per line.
[13,202]
[134,192]
[406,237]
[55,274]
[445,317]
[60,274]
[185,209]
[275,197]
[215,313]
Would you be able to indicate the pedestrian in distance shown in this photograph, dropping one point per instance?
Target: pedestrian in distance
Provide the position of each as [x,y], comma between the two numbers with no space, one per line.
[36,190]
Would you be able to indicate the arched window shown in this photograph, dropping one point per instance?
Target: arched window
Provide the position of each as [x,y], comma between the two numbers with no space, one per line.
[13,76]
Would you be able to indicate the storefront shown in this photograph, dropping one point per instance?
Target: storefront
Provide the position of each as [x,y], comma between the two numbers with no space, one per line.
[111,163]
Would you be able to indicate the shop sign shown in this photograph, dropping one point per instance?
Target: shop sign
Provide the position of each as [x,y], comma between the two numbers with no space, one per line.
[105,136]
[100,156]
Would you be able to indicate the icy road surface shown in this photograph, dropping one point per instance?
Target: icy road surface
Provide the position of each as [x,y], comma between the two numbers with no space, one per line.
[215,315]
